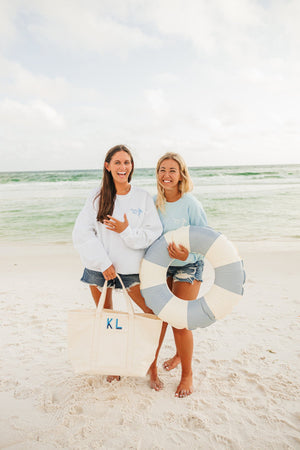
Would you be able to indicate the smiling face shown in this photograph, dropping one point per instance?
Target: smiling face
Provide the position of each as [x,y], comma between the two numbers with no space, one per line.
[169,175]
[120,167]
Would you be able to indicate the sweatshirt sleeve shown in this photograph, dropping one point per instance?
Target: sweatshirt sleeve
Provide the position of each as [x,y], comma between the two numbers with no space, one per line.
[197,214]
[148,232]
[86,241]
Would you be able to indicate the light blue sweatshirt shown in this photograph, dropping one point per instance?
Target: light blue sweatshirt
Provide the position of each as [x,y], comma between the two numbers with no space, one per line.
[186,211]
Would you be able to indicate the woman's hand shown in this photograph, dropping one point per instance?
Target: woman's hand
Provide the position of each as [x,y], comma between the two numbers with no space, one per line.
[116,225]
[179,252]
[110,273]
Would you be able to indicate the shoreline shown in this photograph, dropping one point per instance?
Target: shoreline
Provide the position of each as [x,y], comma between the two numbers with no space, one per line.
[246,366]
[247,244]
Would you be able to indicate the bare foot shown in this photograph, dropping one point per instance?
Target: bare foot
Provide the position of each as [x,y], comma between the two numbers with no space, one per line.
[111,378]
[170,364]
[185,386]
[155,382]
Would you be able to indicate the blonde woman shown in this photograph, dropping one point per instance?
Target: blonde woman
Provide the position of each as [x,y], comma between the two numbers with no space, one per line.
[176,208]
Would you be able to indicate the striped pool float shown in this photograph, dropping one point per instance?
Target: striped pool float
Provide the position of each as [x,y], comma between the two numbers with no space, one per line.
[221,298]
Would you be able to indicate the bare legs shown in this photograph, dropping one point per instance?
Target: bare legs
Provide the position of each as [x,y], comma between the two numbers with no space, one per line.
[97,294]
[183,337]
[135,294]
[183,340]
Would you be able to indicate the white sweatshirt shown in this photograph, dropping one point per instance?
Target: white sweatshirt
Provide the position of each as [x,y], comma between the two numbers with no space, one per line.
[99,247]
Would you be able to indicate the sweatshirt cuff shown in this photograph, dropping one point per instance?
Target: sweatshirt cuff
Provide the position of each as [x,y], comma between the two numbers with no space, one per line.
[97,266]
[126,232]
[105,264]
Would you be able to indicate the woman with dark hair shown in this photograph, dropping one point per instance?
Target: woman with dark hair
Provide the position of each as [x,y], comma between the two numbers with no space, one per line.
[118,222]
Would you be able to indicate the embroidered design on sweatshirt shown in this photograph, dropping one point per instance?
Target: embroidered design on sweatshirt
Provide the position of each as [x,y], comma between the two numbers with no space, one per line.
[172,222]
[138,211]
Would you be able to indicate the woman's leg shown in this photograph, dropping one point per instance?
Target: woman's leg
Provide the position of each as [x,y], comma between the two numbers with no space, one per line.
[175,360]
[186,291]
[97,294]
[135,294]
[184,339]
[184,344]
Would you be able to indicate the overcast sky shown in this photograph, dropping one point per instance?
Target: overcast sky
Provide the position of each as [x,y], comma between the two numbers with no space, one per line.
[215,80]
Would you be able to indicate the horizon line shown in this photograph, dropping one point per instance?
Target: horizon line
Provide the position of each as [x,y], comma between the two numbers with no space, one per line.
[143,168]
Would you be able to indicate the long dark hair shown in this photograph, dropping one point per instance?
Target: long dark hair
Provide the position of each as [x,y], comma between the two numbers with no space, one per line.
[107,194]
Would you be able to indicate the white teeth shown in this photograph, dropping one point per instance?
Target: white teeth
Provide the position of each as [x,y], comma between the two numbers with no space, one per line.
[121,173]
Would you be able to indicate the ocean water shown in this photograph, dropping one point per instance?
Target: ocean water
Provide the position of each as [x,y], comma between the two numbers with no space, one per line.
[246,203]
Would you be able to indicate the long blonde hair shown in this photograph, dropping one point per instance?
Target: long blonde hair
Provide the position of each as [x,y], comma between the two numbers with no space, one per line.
[184,185]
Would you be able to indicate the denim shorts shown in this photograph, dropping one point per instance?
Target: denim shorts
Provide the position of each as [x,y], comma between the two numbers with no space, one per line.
[187,273]
[97,279]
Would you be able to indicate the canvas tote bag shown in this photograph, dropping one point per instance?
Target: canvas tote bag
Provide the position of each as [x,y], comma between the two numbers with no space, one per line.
[104,341]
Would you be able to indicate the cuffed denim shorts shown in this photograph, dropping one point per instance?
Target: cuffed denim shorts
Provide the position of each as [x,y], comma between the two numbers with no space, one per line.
[187,273]
[95,278]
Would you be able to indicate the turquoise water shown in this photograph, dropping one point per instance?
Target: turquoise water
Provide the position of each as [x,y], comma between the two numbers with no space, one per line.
[243,202]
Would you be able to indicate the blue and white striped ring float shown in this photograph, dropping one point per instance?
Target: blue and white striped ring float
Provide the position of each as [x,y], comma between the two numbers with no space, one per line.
[221,298]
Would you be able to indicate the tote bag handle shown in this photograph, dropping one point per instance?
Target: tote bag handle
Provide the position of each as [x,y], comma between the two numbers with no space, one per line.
[100,307]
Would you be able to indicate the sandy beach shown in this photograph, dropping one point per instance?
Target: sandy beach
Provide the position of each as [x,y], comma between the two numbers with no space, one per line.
[246,366]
